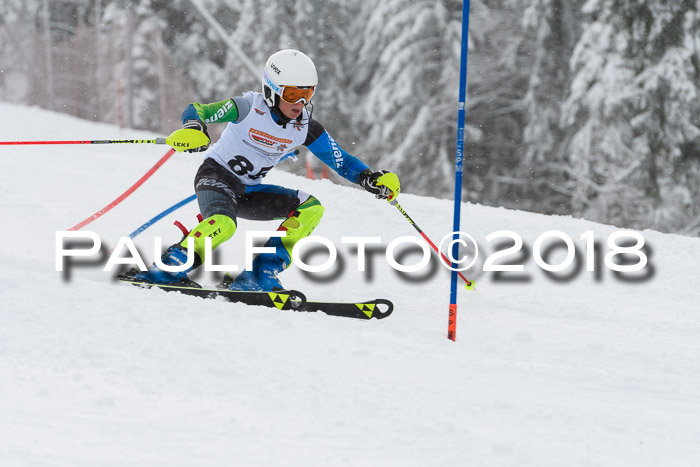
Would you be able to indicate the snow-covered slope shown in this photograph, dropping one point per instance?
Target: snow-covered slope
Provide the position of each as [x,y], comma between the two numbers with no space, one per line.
[590,371]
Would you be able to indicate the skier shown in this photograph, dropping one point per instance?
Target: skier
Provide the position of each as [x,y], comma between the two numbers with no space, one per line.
[261,129]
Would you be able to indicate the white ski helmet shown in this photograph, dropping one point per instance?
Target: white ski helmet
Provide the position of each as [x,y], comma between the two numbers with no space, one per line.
[291,75]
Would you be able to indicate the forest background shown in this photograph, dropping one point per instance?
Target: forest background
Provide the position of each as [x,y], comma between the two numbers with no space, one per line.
[583,108]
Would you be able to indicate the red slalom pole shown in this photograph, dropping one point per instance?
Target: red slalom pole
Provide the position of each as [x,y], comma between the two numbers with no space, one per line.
[127,193]
[467,283]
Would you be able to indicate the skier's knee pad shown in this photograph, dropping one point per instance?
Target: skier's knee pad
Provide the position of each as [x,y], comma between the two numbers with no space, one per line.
[217,227]
[301,222]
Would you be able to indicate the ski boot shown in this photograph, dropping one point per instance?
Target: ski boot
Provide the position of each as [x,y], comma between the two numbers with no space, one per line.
[218,227]
[175,255]
[263,276]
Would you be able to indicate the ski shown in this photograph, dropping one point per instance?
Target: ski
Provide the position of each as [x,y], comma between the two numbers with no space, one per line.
[280,299]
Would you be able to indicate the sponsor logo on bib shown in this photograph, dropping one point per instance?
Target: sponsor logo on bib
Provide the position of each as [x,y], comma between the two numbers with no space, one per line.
[265,139]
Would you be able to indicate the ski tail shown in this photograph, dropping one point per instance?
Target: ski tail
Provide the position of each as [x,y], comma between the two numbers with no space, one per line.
[379,308]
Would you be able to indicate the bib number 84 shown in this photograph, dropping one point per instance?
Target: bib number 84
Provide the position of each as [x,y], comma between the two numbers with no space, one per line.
[242,167]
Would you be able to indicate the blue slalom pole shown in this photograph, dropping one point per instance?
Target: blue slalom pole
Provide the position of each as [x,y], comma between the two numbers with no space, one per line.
[459,158]
[161,215]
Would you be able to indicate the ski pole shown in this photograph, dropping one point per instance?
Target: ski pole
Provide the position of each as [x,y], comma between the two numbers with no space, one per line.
[180,140]
[469,285]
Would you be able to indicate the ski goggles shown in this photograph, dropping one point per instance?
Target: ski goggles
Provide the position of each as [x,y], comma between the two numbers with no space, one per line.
[294,94]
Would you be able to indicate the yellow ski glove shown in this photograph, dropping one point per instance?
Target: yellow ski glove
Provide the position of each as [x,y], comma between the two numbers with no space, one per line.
[382,183]
[199,142]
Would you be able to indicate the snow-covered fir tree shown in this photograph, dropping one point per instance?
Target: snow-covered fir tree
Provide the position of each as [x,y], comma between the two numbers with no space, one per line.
[407,78]
[633,111]
[555,25]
